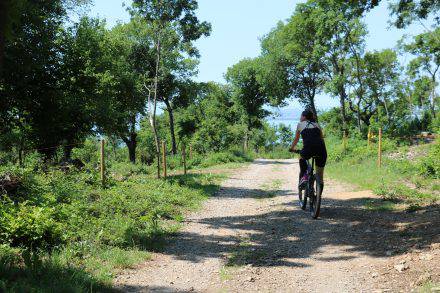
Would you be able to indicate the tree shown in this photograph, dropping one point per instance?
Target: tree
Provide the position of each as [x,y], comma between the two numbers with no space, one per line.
[293,48]
[407,11]
[341,33]
[161,15]
[30,89]
[248,95]
[285,135]
[373,78]
[12,10]
[38,98]
[179,97]
[85,64]
[212,119]
[179,63]
[122,105]
[425,67]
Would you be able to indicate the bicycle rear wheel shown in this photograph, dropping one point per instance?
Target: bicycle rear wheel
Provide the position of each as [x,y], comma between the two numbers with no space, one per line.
[315,200]
[302,196]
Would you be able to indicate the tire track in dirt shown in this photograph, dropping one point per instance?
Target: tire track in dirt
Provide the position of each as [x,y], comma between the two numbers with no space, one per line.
[252,237]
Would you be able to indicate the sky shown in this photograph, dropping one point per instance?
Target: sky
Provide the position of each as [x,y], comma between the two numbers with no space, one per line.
[238,26]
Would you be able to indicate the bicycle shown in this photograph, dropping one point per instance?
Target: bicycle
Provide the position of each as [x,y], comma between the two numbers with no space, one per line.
[310,190]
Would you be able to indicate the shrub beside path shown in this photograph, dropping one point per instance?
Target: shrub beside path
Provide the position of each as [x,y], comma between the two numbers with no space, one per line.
[253,237]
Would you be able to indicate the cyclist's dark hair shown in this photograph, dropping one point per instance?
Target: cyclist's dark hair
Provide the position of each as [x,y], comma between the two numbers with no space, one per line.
[310,116]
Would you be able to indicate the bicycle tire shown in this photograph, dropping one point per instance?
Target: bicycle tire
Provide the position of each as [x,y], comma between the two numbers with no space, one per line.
[302,196]
[315,203]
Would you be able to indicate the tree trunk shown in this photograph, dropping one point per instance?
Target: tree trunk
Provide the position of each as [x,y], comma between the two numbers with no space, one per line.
[339,71]
[172,131]
[132,151]
[67,152]
[386,110]
[342,99]
[131,144]
[246,141]
[433,98]
[313,107]
[359,116]
[153,116]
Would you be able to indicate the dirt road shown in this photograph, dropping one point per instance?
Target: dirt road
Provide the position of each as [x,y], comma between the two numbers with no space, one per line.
[252,237]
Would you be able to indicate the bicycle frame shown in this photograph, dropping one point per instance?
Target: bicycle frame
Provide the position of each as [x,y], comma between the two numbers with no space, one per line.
[309,191]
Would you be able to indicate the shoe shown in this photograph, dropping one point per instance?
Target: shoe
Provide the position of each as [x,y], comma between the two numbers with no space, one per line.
[304,180]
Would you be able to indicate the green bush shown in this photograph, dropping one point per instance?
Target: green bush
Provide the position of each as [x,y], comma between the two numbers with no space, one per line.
[89,153]
[233,156]
[28,226]
[392,181]
[72,226]
[430,165]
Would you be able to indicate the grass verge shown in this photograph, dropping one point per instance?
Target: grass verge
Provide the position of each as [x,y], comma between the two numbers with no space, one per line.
[413,181]
[61,232]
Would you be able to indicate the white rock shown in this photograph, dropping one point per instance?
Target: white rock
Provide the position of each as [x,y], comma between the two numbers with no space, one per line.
[401,267]
[250,279]
[426,256]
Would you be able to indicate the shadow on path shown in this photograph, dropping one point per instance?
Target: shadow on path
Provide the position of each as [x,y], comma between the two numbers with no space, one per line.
[275,238]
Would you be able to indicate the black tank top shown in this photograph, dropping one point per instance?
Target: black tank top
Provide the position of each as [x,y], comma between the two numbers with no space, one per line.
[312,136]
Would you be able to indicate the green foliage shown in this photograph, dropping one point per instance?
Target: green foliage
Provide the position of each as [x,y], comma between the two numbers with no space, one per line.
[294,60]
[408,11]
[422,70]
[276,153]
[26,272]
[225,157]
[395,180]
[247,92]
[430,165]
[63,223]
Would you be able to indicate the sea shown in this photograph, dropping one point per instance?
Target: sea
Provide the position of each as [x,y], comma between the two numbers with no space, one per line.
[291,123]
[286,116]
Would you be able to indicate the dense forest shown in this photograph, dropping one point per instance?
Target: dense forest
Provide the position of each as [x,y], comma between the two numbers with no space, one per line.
[86,80]
[65,85]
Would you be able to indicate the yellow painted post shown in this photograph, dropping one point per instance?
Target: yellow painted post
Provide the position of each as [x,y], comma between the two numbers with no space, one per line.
[102,163]
[184,158]
[164,159]
[379,160]
[369,136]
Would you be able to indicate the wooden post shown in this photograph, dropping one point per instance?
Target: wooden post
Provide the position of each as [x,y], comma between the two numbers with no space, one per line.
[184,158]
[379,155]
[369,136]
[164,159]
[190,152]
[102,163]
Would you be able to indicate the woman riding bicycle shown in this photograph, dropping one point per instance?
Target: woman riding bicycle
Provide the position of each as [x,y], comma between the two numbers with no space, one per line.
[313,146]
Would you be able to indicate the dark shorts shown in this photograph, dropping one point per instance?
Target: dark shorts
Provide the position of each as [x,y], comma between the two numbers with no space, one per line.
[320,154]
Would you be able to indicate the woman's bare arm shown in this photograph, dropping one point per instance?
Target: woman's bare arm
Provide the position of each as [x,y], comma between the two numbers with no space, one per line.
[295,142]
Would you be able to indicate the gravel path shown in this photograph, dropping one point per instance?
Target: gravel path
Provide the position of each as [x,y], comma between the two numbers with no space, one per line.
[252,237]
